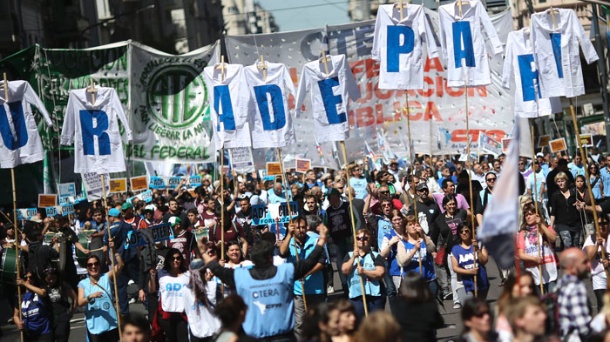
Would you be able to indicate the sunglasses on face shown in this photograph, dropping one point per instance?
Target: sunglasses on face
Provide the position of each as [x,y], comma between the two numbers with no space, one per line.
[28,277]
[482,314]
[91,264]
[384,192]
[465,231]
[362,238]
[178,258]
[491,180]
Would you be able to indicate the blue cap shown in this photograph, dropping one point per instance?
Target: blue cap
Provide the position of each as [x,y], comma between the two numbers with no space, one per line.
[114,212]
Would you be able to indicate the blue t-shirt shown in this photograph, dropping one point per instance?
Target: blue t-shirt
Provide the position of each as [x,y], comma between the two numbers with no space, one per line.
[465,260]
[314,283]
[35,313]
[359,185]
[100,315]
[427,263]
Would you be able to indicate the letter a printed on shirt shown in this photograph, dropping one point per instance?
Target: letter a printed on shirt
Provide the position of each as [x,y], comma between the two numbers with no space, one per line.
[398,46]
[271,118]
[329,96]
[20,142]
[463,44]
[94,130]
[230,100]
[557,55]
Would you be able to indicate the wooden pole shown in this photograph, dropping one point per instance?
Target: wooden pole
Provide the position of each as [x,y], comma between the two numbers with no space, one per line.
[92,90]
[5,87]
[536,197]
[588,182]
[279,157]
[472,218]
[302,281]
[116,291]
[17,237]
[412,157]
[351,209]
[222,204]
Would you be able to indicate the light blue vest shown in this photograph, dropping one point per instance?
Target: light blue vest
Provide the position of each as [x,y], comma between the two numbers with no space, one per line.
[314,283]
[270,301]
[100,315]
[384,227]
[371,287]
[359,185]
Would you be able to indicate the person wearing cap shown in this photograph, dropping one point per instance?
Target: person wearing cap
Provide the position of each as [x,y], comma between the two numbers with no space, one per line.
[129,217]
[149,216]
[120,230]
[268,290]
[183,240]
[543,163]
[427,211]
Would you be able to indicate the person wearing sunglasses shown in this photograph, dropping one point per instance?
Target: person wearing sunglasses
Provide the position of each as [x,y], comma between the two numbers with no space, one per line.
[476,315]
[96,293]
[485,196]
[366,266]
[169,282]
[565,217]
[358,181]
[36,314]
[467,266]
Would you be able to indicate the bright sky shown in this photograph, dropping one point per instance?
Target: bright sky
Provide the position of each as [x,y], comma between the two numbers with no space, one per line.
[294,15]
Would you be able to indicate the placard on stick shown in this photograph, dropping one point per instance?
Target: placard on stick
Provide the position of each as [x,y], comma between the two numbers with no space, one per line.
[505,144]
[47,200]
[118,185]
[586,140]
[274,168]
[558,145]
[302,165]
[543,141]
[139,183]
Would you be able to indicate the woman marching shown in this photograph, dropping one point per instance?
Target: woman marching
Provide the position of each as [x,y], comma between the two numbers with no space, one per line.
[169,282]
[63,304]
[95,292]
[535,248]
[36,315]
[466,267]
[200,300]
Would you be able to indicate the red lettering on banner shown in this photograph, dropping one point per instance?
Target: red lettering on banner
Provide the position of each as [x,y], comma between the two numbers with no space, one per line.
[433,64]
[459,135]
[382,94]
[368,67]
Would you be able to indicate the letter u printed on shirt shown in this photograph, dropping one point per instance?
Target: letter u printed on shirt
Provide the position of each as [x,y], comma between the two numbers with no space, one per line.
[229,100]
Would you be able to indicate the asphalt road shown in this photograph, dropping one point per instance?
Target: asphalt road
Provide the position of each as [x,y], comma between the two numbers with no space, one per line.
[452,328]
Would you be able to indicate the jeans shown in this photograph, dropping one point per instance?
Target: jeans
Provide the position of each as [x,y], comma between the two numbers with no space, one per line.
[549,287]
[108,336]
[454,281]
[61,328]
[131,270]
[175,328]
[441,276]
[373,303]
[390,286]
[569,238]
[300,314]
[342,248]
[463,295]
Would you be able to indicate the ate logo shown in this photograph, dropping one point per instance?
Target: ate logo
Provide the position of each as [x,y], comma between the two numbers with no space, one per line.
[176,96]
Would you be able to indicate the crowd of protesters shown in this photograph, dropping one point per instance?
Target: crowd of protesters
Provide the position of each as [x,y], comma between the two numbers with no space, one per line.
[398,237]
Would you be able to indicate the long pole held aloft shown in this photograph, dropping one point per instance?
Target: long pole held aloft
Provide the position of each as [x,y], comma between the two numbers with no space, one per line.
[412,157]
[116,291]
[351,210]
[472,223]
[536,197]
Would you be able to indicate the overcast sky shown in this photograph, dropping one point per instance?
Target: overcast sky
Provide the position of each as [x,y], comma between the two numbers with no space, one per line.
[293,15]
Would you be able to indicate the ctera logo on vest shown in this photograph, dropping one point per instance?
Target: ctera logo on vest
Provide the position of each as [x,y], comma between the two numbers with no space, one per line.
[265,293]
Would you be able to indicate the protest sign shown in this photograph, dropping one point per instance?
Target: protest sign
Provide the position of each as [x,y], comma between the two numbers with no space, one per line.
[47,200]
[488,144]
[66,190]
[152,234]
[558,145]
[586,140]
[146,196]
[505,143]
[274,168]
[157,182]
[26,214]
[302,165]
[174,182]
[139,183]
[543,141]
[266,214]
[54,211]
[93,185]
[241,159]
[67,209]
[195,181]
[118,185]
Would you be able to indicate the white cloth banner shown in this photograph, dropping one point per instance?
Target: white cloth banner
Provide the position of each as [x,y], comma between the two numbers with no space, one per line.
[437,112]
[170,110]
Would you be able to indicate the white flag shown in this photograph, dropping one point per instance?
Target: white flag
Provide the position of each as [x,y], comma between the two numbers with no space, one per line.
[501,215]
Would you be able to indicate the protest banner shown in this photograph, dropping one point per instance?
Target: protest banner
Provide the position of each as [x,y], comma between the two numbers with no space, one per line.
[157,182]
[302,165]
[67,209]
[139,183]
[266,214]
[47,200]
[174,182]
[26,214]
[241,159]
[118,185]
